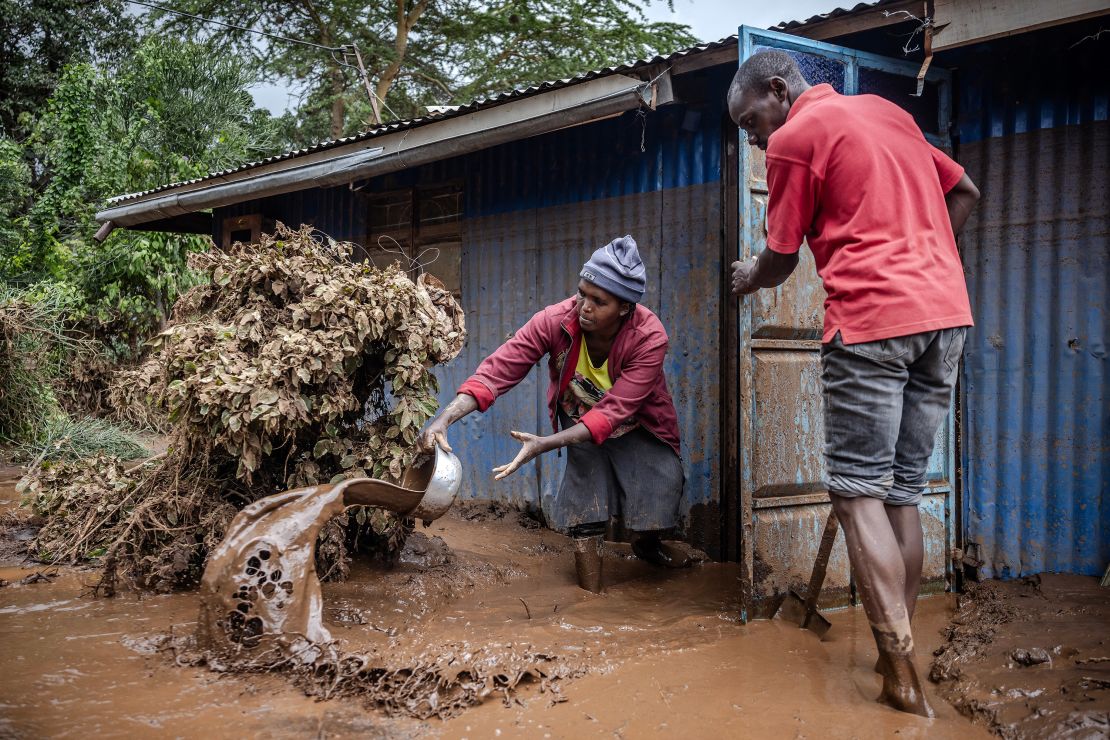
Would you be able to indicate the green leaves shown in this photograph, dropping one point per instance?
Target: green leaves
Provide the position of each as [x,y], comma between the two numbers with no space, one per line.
[169,111]
[431,53]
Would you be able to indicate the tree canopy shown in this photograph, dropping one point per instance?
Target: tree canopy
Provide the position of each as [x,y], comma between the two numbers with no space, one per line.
[104,97]
[424,52]
[38,38]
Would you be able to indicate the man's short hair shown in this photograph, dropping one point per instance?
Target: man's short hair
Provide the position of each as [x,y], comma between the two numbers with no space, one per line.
[757,70]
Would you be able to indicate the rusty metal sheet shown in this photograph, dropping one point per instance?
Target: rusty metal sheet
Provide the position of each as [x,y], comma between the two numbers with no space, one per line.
[1035,137]
[1036,407]
[787,533]
[789,429]
[795,309]
[498,251]
[690,288]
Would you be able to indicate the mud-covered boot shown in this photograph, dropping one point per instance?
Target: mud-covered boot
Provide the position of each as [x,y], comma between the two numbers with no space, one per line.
[652,549]
[587,563]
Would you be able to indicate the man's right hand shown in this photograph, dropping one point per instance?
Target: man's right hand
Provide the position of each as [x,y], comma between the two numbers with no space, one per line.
[743,277]
[435,432]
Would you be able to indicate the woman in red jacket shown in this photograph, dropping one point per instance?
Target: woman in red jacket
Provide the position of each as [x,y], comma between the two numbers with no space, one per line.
[608,402]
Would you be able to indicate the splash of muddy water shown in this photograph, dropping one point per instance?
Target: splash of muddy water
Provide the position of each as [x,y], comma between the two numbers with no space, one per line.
[260,587]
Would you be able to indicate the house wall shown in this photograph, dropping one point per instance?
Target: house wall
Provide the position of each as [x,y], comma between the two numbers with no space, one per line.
[1033,134]
[534,211]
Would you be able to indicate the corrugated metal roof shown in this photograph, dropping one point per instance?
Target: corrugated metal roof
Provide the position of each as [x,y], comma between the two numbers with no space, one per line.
[788,26]
[475,105]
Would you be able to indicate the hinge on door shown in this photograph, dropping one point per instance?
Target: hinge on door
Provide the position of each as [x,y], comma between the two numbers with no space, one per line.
[968,561]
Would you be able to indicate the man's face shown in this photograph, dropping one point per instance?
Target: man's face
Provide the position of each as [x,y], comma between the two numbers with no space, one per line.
[760,114]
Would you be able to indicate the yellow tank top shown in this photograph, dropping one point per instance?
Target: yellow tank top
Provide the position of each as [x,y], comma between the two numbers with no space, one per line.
[599,376]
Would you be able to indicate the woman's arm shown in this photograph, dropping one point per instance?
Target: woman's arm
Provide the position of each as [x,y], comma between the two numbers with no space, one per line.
[496,375]
[463,404]
[533,446]
[512,361]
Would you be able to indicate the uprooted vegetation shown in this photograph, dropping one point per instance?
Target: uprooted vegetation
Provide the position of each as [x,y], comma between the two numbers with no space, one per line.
[272,374]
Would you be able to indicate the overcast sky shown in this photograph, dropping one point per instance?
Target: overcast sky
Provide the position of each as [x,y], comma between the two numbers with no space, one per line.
[709,20]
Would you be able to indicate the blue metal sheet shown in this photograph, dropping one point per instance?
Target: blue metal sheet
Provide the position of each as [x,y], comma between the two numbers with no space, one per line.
[1035,138]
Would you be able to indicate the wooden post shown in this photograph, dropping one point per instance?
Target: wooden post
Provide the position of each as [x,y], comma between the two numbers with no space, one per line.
[369,90]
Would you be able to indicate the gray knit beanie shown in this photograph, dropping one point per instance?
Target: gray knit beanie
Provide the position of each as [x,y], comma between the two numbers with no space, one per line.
[617,268]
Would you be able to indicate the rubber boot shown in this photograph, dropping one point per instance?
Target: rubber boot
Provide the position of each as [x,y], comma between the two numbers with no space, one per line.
[649,547]
[587,563]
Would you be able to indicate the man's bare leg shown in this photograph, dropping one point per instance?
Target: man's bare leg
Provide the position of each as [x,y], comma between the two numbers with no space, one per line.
[906,523]
[880,572]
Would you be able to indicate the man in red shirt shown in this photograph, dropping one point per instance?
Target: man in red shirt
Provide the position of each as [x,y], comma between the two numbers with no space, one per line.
[879,207]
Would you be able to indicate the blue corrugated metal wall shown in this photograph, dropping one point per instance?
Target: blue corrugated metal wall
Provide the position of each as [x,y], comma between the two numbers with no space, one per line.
[1035,137]
[534,211]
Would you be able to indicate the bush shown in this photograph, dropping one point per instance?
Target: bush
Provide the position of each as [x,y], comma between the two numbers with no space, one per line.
[290,366]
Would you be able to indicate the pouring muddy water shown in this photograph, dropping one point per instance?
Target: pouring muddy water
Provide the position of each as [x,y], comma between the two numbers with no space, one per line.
[260,588]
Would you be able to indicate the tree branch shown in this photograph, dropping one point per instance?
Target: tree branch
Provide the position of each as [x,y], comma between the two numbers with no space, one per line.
[405,24]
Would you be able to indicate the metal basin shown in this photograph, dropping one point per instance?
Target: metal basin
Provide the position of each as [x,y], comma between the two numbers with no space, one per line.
[439,475]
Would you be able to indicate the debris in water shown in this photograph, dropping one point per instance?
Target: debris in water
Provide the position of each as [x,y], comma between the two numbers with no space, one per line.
[39,576]
[1035,656]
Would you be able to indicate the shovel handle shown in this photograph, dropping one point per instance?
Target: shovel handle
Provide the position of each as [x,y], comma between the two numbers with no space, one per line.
[821,564]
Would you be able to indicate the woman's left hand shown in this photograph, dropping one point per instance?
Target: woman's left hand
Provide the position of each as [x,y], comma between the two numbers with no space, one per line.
[531,446]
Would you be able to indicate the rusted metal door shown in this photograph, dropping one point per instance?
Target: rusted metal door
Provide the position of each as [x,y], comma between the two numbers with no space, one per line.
[783,505]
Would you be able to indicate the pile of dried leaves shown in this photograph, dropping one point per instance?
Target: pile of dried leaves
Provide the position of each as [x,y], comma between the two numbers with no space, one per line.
[290,366]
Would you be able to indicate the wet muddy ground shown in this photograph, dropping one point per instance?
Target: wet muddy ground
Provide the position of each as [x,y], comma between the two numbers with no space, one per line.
[661,653]
[1031,657]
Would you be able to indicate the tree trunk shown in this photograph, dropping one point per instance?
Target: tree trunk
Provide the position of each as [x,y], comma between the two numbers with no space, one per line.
[338,104]
[400,44]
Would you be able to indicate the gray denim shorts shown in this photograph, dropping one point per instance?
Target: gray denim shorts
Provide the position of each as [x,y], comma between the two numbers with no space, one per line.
[884,401]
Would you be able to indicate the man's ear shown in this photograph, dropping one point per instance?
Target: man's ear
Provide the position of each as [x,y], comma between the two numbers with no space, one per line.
[779,88]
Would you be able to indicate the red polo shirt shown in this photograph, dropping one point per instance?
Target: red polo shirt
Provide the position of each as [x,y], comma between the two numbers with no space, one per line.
[855,178]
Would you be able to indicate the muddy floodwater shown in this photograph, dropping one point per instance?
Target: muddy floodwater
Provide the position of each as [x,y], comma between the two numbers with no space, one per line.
[662,653]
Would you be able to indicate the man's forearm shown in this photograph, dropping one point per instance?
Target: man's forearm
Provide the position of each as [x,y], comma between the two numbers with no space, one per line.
[773,268]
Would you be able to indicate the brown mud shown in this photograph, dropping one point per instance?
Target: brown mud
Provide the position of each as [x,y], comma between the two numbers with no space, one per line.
[260,584]
[1031,658]
[660,652]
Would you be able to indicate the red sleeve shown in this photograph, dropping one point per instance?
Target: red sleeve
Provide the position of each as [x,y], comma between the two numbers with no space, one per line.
[792,192]
[948,169]
[639,376]
[510,363]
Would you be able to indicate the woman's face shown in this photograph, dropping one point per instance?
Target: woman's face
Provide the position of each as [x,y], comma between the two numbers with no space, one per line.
[599,310]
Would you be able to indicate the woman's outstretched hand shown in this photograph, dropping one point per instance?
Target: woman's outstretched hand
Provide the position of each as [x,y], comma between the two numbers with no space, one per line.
[531,446]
